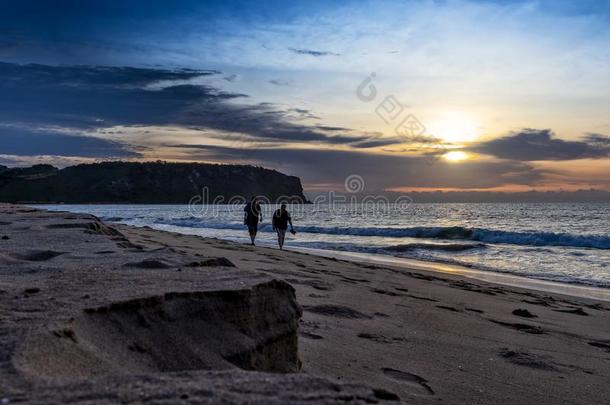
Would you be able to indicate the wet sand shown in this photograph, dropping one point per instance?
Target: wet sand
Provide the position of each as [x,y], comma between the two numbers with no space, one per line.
[572,290]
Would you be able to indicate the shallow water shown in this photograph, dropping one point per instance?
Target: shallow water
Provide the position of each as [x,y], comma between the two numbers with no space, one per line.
[558,242]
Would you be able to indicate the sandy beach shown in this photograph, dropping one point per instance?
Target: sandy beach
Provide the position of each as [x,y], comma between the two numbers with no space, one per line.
[99,313]
[305,202]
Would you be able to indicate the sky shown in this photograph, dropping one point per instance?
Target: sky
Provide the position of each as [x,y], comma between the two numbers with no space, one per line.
[408,95]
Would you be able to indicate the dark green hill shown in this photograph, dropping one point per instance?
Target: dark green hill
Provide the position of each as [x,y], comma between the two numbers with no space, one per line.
[145,183]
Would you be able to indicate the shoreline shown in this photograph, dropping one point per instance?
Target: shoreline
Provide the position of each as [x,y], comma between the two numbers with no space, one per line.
[505,279]
[495,277]
[118,307]
[578,273]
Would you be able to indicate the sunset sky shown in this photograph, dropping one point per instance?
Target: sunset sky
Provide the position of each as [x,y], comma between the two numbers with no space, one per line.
[462,95]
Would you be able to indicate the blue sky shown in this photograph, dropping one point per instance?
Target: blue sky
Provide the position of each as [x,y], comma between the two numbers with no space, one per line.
[502,88]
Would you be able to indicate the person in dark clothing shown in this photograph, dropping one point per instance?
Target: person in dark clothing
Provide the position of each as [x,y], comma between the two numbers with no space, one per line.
[281,219]
[252,216]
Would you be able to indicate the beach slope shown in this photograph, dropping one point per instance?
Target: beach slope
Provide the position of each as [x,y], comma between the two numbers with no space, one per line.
[431,336]
[123,314]
[90,315]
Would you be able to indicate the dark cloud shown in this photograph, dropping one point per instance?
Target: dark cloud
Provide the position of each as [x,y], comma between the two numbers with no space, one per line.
[311,52]
[533,144]
[300,114]
[281,83]
[27,142]
[332,129]
[597,139]
[93,98]
[261,122]
[43,75]
[379,171]
[86,97]
[378,142]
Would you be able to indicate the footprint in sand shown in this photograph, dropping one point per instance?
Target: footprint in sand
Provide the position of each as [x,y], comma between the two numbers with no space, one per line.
[540,302]
[575,311]
[602,344]
[463,285]
[597,307]
[385,395]
[309,335]
[37,255]
[411,380]
[150,264]
[386,292]
[448,308]
[525,359]
[315,284]
[354,280]
[337,311]
[380,338]
[381,315]
[417,297]
[213,262]
[524,313]
[522,327]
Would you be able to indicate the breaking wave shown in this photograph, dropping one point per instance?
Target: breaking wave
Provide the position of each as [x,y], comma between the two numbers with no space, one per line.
[440,233]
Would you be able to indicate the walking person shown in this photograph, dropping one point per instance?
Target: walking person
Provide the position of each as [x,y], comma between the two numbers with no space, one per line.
[281,219]
[252,216]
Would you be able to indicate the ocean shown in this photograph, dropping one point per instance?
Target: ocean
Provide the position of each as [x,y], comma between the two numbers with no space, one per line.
[561,242]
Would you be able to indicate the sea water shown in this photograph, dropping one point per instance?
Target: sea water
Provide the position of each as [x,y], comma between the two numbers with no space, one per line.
[564,242]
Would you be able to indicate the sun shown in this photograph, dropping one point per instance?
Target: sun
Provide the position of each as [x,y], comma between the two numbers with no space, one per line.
[456,156]
[454,127]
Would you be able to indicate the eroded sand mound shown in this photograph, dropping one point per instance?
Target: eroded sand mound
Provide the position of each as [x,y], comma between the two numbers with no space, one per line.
[253,329]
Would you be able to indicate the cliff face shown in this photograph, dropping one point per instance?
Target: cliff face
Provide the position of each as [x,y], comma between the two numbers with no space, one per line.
[154,182]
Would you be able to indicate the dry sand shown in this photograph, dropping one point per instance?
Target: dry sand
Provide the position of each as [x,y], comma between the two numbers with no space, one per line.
[88,315]
[427,337]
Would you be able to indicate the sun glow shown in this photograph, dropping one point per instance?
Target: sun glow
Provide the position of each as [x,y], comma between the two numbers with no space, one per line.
[456,156]
[454,127]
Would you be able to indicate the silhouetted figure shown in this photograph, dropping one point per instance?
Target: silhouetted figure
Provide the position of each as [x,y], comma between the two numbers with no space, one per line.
[252,216]
[281,219]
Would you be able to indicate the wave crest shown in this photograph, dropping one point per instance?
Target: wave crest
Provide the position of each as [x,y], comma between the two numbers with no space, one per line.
[441,233]
[452,247]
